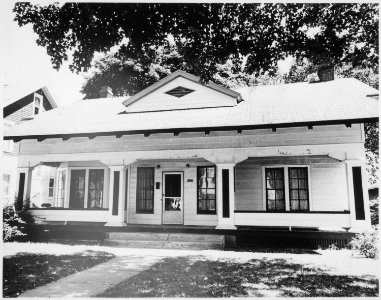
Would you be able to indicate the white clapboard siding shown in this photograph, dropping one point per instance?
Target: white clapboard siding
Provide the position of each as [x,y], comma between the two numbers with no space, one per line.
[190,216]
[71,215]
[201,97]
[320,135]
[292,219]
[329,187]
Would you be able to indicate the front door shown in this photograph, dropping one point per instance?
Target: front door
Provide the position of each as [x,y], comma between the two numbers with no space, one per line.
[173,198]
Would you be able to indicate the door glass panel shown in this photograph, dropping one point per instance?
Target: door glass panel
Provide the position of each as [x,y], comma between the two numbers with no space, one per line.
[173,204]
[172,185]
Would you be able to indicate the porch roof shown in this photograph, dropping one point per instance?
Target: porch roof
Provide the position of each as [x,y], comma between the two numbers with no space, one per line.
[289,105]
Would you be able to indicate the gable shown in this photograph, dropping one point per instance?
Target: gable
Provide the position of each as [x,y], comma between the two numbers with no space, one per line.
[181,93]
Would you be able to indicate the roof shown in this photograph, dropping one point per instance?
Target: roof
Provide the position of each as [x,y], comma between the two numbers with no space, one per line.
[15,92]
[288,105]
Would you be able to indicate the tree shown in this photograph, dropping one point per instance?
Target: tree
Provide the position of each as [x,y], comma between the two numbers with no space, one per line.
[251,34]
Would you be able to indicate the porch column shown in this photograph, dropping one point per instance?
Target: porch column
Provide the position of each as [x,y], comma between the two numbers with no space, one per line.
[23,186]
[116,196]
[225,196]
[358,195]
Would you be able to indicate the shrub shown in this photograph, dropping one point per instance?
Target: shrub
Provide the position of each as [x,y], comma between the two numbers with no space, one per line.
[14,222]
[374,206]
[366,243]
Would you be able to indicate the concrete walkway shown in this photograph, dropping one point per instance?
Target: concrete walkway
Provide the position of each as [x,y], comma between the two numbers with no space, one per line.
[95,280]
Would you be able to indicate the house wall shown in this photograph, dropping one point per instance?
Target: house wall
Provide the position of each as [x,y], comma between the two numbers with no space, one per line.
[190,216]
[320,135]
[202,96]
[328,183]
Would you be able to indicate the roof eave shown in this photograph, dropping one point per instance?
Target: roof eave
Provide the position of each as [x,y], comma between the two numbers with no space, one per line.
[207,129]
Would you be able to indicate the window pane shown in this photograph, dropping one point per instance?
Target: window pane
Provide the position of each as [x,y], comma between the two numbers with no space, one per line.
[294,205]
[294,183]
[212,205]
[211,183]
[271,204]
[202,182]
[279,194]
[211,172]
[302,172]
[303,184]
[303,195]
[278,173]
[294,195]
[211,194]
[279,184]
[293,173]
[202,194]
[271,184]
[202,204]
[280,205]
[271,194]
[303,205]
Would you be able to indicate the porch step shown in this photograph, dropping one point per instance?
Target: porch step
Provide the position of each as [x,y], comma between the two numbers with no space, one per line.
[165,240]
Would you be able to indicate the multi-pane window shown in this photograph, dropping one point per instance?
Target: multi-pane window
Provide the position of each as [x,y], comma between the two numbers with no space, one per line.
[298,186]
[275,197]
[145,190]
[51,187]
[95,195]
[206,190]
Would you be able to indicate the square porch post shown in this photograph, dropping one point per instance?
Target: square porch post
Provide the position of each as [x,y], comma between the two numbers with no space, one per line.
[225,196]
[116,215]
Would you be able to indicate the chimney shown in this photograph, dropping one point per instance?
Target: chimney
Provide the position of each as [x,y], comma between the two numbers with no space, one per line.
[106,92]
[326,71]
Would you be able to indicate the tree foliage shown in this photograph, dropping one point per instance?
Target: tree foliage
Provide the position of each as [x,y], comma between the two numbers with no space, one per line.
[251,34]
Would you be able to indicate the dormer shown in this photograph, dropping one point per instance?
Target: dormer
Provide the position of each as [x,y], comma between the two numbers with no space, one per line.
[180,91]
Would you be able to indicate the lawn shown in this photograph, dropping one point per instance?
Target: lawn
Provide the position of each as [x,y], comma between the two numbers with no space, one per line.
[25,271]
[277,275]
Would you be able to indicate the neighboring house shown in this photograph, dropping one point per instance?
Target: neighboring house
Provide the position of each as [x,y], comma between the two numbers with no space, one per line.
[20,104]
[180,152]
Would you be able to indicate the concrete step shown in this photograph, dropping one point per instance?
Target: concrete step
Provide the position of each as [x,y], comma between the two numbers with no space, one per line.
[148,236]
[164,240]
[191,245]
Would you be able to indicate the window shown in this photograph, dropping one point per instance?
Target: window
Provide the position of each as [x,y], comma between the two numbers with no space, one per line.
[77,188]
[206,190]
[96,179]
[298,186]
[145,190]
[37,103]
[51,187]
[275,189]
[179,92]
[6,184]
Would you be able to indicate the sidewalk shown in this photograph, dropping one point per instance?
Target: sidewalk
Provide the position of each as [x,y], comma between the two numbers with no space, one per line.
[95,280]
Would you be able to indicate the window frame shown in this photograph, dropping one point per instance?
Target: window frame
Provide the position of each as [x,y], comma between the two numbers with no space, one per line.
[308,188]
[145,211]
[87,173]
[284,191]
[41,98]
[206,212]
[286,187]
[51,188]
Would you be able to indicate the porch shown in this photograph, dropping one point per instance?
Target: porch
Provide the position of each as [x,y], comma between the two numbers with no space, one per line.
[223,193]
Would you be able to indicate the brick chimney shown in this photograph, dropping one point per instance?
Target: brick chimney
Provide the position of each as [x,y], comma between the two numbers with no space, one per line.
[106,92]
[326,71]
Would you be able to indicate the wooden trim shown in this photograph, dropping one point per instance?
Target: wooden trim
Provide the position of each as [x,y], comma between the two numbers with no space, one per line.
[292,212]
[67,136]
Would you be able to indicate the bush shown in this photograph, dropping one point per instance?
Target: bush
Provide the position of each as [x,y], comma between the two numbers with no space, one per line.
[374,211]
[366,243]
[14,222]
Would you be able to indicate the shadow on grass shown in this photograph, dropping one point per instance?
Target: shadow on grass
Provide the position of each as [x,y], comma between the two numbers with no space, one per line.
[197,277]
[26,271]
[272,250]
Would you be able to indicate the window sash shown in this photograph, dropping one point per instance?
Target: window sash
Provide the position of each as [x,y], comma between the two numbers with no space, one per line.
[275,189]
[145,190]
[298,188]
[95,188]
[206,190]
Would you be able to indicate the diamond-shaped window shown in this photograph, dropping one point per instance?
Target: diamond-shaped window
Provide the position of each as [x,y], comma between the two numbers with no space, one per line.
[179,91]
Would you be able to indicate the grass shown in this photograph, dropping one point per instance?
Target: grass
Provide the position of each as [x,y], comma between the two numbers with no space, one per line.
[200,277]
[25,271]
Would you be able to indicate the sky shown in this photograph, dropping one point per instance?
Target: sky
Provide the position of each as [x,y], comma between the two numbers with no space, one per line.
[24,62]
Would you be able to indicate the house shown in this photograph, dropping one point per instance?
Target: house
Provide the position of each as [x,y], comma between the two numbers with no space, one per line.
[181,152]
[20,104]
